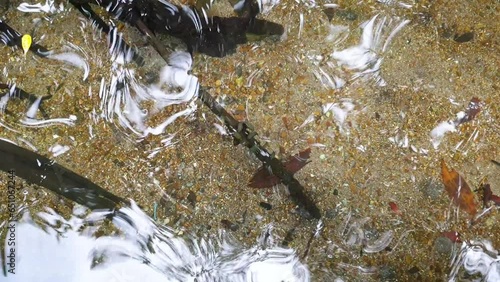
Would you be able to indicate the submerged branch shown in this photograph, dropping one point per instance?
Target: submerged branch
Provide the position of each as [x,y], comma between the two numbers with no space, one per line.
[244,134]
[37,169]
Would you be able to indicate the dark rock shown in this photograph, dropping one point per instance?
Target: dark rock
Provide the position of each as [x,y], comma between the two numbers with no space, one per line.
[229,225]
[464,37]
[443,245]
[265,205]
[192,198]
[432,188]
[387,273]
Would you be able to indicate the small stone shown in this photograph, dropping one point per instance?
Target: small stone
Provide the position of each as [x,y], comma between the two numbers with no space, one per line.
[443,245]
[265,205]
[331,213]
[229,225]
[192,198]
[413,270]
[432,188]
[347,15]
[387,273]
[465,37]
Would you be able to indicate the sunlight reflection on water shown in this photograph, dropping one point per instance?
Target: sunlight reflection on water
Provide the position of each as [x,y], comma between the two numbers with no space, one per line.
[69,250]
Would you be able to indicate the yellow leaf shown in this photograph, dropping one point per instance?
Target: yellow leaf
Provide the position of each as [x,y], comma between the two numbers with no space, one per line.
[26,43]
[458,190]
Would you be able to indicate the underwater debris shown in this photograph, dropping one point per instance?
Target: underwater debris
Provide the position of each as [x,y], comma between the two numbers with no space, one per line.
[458,190]
[263,178]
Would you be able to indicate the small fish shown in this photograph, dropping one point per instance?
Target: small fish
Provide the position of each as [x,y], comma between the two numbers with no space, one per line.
[26,41]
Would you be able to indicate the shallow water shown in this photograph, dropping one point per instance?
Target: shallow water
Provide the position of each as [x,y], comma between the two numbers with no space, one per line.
[377,92]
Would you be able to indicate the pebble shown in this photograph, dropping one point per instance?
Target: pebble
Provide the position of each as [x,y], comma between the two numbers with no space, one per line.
[443,245]
[265,205]
[387,273]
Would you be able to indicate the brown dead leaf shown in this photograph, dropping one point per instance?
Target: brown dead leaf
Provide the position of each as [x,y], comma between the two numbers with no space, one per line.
[488,196]
[453,236]
[458,190]
[298,161]
[264,179]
